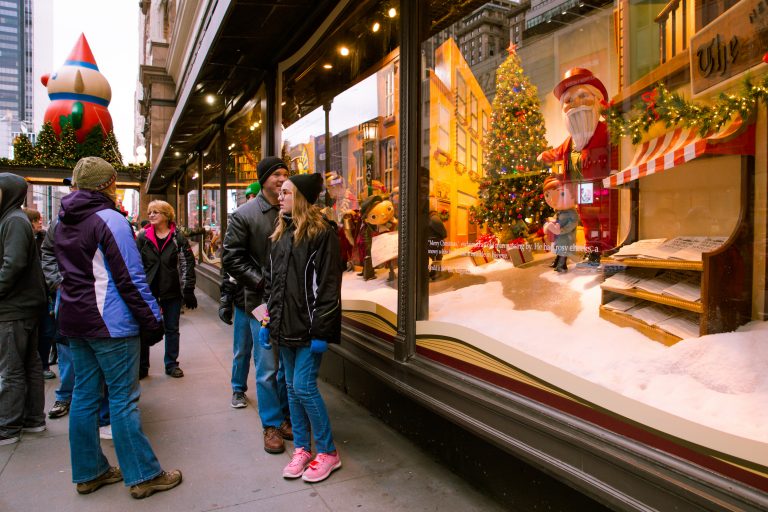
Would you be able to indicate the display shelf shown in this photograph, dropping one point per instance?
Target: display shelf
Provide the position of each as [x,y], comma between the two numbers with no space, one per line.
[624,320]
[660,264]
[695,307]
[726,274]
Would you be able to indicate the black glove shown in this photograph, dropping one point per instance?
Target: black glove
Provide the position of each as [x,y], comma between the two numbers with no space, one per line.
[190,301]
[151,337]
[225,313]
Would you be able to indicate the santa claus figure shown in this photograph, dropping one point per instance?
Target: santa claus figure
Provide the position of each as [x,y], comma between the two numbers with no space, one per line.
[585,157]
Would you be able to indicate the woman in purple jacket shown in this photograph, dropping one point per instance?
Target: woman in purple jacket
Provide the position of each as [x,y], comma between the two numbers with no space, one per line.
[105,301]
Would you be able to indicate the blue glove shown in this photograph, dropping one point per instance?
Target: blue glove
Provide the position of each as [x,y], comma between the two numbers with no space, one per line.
[318,346]
[264,338]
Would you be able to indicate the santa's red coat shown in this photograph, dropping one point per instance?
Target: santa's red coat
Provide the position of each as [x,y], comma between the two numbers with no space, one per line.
[600,219]
[595,157]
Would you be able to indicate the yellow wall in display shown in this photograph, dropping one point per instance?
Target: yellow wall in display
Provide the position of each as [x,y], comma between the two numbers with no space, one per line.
[453,90]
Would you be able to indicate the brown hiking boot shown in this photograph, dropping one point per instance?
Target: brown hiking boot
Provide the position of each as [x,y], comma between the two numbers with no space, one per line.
[286,430]
[162,482]
[273,442]
[110,476]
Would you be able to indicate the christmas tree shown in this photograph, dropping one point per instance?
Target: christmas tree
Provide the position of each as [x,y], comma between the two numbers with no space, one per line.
[111,150]
[47,147]
[511,192]
[23,150]
[93,145]
[68,144]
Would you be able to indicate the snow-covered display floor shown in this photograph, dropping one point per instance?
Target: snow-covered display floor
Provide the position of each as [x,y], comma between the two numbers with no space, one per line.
[716,381]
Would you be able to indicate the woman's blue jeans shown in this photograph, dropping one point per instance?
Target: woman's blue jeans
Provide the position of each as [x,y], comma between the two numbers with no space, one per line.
[114,361]
[306,404]
[67,383]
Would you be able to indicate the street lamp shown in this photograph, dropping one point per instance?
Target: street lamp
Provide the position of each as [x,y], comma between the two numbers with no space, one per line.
[369,130]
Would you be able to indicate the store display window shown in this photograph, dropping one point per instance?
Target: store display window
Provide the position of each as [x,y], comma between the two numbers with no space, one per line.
[586,233]
[606,238]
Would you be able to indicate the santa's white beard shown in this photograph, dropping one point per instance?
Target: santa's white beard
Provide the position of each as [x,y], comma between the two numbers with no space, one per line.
[581,123]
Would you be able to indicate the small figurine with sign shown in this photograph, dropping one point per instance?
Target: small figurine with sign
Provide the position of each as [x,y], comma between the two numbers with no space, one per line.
[561,228]
[378,216]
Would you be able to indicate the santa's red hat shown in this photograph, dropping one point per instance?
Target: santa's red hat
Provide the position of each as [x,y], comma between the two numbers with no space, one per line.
[81,55]
[579,76]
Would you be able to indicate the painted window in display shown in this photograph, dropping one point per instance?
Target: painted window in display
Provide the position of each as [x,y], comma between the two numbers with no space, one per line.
[461,96]
[389,97]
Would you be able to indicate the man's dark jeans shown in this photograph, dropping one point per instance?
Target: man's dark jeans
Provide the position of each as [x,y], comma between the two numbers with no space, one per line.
[22,394]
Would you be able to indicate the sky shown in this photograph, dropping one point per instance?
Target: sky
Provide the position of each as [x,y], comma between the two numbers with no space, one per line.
[350,108]
[112,30]
[713,388]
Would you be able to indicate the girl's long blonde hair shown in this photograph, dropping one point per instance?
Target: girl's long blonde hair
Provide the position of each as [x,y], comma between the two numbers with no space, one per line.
[307,218]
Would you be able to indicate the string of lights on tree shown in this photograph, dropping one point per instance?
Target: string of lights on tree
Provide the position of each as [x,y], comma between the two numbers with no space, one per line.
[670,108]
[511,191]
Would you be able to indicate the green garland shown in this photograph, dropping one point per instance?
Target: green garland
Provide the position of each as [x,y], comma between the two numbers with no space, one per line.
[661,105]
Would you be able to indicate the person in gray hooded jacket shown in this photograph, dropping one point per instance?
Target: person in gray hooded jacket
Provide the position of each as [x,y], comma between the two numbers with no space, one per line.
[22,299]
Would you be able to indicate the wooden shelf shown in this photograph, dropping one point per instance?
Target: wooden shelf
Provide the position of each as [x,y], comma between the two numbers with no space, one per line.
[662,264]
[726,272]
[696,307]
[624,320]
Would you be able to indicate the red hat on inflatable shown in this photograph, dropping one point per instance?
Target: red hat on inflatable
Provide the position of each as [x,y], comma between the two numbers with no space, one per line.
[81,55]
[579,76]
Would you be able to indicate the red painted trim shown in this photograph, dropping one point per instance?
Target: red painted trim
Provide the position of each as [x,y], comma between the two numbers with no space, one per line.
[592,414]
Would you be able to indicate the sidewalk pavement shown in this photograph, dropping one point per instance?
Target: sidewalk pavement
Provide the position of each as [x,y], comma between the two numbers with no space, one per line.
[220,449]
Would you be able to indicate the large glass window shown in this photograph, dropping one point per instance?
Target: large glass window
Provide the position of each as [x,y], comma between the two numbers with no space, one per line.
[350,84]
[236,155]
[595,247]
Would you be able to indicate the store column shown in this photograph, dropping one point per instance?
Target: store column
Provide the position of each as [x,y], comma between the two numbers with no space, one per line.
[223,173]
[200,179]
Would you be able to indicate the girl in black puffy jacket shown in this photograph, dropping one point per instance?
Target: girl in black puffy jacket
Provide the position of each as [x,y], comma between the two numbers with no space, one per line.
[170,268]
[303,294]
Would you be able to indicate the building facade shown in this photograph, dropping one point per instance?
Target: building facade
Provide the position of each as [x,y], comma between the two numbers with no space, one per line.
[16,66]
[635,378]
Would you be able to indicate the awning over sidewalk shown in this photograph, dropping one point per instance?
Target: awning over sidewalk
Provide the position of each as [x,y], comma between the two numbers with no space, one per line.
[683,145]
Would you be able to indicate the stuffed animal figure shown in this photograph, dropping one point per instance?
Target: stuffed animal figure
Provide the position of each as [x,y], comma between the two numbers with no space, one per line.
[348,231]
[378,216]
[562,229]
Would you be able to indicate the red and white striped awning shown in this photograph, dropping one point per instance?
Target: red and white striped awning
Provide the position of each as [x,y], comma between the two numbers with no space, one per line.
[680,146]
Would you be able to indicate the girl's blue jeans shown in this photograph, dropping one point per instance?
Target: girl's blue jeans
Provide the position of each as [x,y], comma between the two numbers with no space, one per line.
[306,404]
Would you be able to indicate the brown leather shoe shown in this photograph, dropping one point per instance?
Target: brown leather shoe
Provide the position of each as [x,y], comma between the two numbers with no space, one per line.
[273,442]
[286,430]
[110,476]
[162,482]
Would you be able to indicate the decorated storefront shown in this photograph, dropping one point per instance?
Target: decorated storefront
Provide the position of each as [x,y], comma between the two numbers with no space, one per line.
[553,218]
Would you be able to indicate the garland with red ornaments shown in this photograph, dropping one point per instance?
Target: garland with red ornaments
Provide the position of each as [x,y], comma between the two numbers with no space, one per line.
[670,108]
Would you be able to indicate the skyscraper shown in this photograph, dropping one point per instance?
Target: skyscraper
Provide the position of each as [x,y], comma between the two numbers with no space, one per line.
[16,76]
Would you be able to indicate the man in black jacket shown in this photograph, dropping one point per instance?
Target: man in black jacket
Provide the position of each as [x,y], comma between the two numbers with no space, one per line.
[246,259]
[22,298]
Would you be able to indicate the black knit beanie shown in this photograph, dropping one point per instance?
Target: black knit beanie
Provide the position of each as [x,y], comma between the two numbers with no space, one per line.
[310,185]
[267,166]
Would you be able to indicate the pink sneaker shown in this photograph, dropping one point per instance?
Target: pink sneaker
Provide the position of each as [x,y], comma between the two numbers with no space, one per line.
[299,461]
[321,468]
